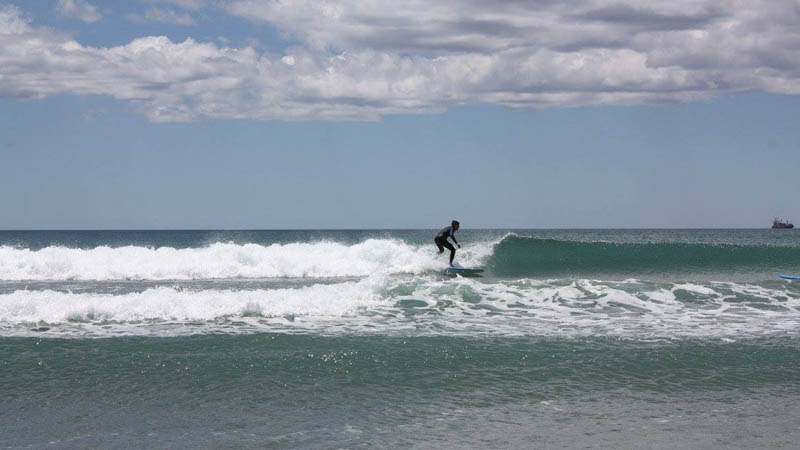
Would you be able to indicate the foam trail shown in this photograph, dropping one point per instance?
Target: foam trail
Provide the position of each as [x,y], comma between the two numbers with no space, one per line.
[419,305]
[628,308]
[219,260]
[175,304]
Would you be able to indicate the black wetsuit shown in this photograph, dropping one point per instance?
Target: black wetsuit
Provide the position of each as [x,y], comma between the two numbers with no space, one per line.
[441,242]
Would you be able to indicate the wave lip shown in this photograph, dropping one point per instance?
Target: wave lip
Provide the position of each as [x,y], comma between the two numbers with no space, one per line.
[218,260]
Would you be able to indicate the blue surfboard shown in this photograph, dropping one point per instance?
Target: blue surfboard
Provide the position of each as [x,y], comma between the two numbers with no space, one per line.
[465,271]
[790,277]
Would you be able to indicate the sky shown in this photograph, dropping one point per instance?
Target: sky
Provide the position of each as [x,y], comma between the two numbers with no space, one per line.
[266,114]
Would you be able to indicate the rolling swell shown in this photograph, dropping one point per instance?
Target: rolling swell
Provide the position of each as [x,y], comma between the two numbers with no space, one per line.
[526,256]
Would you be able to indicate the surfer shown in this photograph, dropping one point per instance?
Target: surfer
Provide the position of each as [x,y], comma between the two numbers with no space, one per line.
[441,239]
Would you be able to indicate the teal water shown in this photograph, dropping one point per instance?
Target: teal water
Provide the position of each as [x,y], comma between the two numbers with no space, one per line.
[357,339]
[527,256]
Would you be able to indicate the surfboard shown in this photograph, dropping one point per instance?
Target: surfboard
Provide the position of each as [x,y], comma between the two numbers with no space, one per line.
[465,271]
[790,277]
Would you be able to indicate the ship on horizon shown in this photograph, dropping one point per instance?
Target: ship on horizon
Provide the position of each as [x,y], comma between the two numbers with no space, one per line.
[778,223]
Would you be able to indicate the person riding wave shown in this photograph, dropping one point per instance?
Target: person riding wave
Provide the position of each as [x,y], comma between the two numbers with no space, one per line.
[441,239]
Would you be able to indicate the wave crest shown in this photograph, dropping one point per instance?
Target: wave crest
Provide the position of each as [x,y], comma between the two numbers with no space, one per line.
[219,260]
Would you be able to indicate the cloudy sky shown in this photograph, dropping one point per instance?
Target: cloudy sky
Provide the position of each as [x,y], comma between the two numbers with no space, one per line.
[371,113]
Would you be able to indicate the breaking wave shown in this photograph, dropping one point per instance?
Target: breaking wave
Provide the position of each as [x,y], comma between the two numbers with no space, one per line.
[419,304]
[220,260]
[509,256]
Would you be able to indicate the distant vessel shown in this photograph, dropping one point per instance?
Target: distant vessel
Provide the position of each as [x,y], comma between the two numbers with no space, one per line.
[778,223]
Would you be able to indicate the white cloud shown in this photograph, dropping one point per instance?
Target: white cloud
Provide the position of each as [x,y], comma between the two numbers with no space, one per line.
[186,4]
[364,59]
[12,21]
[160,15]
[79,9]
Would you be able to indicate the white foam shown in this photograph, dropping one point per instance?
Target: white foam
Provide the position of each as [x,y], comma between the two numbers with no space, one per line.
[172,304]
[694,288]
[418,305]
[625,309]
[219,260]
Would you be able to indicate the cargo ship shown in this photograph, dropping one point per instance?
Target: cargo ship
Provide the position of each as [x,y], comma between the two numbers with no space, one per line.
[778,223]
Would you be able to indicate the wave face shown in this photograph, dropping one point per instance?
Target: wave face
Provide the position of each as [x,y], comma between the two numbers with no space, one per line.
[526,256]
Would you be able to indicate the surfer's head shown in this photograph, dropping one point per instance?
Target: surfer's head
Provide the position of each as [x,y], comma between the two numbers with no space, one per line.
[455,224]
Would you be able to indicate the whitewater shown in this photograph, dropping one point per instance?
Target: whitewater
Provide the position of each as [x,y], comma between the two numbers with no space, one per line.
[218,260]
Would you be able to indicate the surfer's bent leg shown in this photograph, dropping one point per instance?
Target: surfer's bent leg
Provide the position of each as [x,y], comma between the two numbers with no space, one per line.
[452,249]
[438,243]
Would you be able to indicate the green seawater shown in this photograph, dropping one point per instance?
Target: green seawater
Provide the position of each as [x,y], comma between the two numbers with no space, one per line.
[284,391]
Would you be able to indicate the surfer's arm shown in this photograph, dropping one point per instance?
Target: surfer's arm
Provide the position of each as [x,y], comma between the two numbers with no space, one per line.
[453,237]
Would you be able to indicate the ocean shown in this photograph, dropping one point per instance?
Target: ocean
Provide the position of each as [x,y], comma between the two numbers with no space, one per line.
[358,339]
